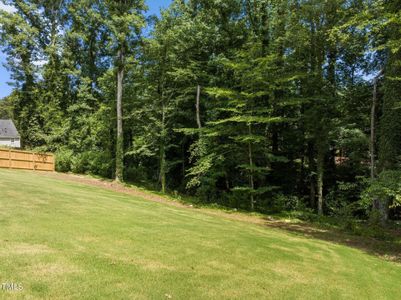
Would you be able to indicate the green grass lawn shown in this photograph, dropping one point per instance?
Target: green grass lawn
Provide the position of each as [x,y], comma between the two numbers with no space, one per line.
[65,240]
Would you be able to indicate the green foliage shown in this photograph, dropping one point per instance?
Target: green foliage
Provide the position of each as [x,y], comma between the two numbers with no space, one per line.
[342,200]
[387,187]
[281,202]
[6,107]
[64,158]
[283,121]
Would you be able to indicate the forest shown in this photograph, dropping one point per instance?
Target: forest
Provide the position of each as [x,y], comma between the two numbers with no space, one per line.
[254,105]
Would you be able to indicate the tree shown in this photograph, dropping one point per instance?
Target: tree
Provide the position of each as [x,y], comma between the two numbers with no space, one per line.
[261,105]
[125,21]
[6,107]
[19,39]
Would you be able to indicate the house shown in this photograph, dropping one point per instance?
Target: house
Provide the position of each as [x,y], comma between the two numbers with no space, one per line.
[9,135]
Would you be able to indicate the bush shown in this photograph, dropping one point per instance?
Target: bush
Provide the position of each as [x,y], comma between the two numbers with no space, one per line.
[101,163]
[386,188]
[63,160]
[283,202]
[94,162]
[135,174]
[343,199]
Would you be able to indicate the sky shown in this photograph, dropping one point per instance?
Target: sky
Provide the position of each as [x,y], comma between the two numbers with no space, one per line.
[5,89]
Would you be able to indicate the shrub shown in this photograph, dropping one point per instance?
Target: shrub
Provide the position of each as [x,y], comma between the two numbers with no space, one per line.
[387,187]
[63,160]
[100,163]
[283,202]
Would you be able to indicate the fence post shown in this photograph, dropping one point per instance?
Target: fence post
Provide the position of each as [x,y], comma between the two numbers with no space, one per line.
[9,158]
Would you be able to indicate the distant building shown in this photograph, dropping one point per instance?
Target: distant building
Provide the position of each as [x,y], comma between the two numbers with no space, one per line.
[9,135]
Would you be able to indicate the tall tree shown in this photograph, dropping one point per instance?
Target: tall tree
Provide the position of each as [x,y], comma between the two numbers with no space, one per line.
[125,21]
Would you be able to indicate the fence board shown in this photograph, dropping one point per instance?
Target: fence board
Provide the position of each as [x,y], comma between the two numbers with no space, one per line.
[17,159]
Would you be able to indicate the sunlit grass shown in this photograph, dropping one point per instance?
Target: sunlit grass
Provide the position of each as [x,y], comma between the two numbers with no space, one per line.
[64,240]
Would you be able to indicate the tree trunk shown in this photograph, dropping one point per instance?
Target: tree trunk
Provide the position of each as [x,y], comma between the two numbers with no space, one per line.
[163,169]
[312,193]
[251,179]
[163,152]
[312,168]
[198,119]
[380,206]
[120,145]
[320,172]
[373,128]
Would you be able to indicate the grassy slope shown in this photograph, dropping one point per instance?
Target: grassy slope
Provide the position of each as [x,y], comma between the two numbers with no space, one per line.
[68,240]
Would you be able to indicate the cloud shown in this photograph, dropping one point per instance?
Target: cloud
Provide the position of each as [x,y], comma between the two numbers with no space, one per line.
[7,8]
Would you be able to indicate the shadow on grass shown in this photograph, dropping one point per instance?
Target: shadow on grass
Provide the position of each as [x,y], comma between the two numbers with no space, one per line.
[389,248]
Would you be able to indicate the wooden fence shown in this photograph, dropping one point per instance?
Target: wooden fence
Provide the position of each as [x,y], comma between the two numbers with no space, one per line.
[16,159]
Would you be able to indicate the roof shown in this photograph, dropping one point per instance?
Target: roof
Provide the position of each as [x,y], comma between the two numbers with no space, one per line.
[8,130]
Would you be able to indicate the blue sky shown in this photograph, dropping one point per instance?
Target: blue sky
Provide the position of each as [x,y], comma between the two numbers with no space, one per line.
[5,89]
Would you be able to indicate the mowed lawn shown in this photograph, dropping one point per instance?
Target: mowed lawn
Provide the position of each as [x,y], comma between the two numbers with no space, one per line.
[65,240]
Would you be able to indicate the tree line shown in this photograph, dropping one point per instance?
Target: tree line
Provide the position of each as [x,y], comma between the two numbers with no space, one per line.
[265,105]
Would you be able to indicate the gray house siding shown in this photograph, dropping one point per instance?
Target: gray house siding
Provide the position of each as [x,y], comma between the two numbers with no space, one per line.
[9,136]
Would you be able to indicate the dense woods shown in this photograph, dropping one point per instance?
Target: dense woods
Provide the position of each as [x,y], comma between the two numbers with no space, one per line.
[265,105]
